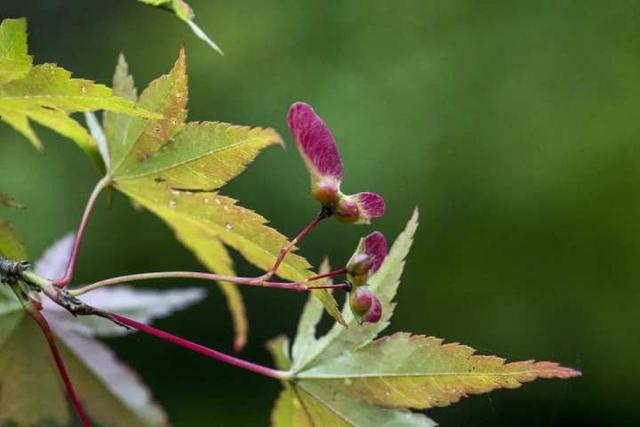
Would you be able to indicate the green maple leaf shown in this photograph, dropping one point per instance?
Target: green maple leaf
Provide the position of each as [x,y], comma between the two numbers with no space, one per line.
[345,378]
[15,62]
[174,169]
[111,392]
[47,94]
[183,11]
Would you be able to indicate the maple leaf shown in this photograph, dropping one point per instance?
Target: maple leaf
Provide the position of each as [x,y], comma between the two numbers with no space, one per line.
[345,378]
[112,393]
[174,169]
[183,11]
[47,94]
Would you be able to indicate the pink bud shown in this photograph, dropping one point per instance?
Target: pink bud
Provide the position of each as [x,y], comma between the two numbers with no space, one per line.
[359,265]
[365,306]
[360,208]
[360,300]
[367,259]
[375,245]
[375,312]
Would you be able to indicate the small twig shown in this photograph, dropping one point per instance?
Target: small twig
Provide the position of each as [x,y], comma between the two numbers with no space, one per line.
[206,351]
[330,274]
[323,214]
[101,185]
[46,330]
[11,271]
[247,281]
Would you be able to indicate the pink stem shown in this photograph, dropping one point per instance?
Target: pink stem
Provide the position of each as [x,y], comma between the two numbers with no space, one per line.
[301,288]
[62,282]
[341,286]
[248,281]
[284,251]
[44,326]
[334,273]
[190,345]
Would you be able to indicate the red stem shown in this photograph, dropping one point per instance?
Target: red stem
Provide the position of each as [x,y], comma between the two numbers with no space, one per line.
[342,286]
[334,273]
[62,282]
[249,281]
[284,251]
[190,345]
[44,326]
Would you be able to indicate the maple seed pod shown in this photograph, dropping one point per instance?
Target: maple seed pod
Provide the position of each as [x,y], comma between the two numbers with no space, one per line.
[318,149]
[326,191]
[360,208]
[365,306]
[367,259]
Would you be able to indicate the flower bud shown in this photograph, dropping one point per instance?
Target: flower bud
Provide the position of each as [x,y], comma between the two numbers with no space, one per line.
[365,306]
[359,265]
[367,259]
[375,312]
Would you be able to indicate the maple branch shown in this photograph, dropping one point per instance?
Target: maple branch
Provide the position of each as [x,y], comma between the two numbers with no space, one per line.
[104,182]
[247,281]
[198,348]
[46,330]
[323,214]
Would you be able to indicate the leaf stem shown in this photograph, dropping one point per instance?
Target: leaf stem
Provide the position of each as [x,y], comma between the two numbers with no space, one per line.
[323,214]
[198,348]
[247,281]
[64,281]
[329,274]
[46,330]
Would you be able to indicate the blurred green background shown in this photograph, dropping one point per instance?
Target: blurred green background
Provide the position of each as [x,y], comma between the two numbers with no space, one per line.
[512,125]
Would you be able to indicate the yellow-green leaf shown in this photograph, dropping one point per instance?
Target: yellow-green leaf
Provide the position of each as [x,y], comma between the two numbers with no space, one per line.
[345,378]
[405,371]
[384,284]
[175,169]
[297,406]
[15,63]
[47,94]
[11,246]
[305,338]
[183,11]
[314,406]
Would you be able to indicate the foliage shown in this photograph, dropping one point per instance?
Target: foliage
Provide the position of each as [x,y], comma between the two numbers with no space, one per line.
[110,390]
[174,169]
[47,94]
[345,378]
[183,11]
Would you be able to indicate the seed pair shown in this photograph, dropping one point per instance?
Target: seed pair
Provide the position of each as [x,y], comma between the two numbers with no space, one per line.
[320,153]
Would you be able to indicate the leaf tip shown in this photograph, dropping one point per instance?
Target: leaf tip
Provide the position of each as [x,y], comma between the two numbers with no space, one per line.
[203,36]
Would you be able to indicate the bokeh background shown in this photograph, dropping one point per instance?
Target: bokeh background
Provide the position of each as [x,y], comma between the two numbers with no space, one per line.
[513,126]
